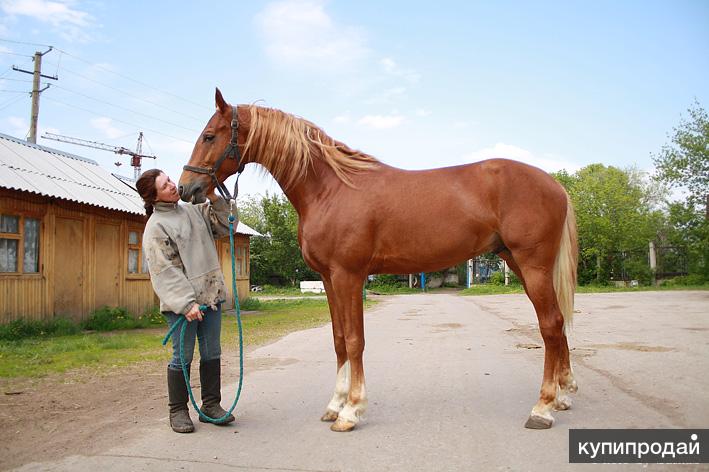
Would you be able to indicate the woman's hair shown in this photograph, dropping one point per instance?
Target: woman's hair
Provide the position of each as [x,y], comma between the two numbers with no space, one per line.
[147,189]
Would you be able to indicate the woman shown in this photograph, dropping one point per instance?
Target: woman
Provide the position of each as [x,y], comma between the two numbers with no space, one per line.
[184,269]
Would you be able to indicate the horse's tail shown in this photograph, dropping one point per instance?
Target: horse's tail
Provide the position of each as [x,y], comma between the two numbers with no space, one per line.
[565,267]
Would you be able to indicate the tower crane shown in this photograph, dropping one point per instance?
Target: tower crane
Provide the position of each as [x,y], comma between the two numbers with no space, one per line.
[136,156]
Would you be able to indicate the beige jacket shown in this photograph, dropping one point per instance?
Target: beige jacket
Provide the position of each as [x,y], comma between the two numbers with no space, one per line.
[182,258]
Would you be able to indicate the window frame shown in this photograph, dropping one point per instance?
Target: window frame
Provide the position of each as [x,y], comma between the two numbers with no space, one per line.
[140,275]
[20,237]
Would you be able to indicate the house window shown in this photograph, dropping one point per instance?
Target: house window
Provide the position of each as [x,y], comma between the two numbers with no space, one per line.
[19,244]
[137,264]
[242,265]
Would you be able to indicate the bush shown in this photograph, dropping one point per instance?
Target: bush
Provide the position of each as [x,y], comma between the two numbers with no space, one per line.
[250,304]
[111,318]
[152,316]
[497,278]
[20,329]
[686,280]
[386,281]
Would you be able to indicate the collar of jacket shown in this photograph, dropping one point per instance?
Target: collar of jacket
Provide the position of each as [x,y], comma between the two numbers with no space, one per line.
[164,206]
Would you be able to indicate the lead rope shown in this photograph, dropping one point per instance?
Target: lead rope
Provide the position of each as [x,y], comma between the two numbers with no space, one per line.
[183,322]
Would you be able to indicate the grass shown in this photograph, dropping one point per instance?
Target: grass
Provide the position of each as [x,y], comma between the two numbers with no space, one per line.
[272,291]
[607,289]
[392,290]
[489,289]
[40,356]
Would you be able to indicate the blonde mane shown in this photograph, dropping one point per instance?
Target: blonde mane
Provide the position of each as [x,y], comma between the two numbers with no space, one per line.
[287,145]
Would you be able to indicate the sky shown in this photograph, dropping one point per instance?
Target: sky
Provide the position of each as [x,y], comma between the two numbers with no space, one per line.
[559,85]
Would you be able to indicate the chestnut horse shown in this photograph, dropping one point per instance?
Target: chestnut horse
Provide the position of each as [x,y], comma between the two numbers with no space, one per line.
[356,217]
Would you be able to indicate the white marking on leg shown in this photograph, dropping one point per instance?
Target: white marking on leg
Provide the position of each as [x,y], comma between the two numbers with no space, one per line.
[342,388]
[353,413]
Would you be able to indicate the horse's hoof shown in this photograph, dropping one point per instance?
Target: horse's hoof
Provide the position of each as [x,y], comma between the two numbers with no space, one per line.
[329,416]
[562,403]
[573,387]
[539,422]
[342,426]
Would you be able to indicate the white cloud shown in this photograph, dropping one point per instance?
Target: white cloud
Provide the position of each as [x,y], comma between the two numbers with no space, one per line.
[381,121]
[345,118]
[547,162]
[71,23]
[301,33]
[386,96]
[422,112]
[105,125]
[392,68]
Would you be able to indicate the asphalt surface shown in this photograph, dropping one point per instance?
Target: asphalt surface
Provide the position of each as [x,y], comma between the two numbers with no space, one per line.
[451,381]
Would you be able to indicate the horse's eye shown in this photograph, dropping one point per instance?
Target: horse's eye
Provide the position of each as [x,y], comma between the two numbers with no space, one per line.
[208,138]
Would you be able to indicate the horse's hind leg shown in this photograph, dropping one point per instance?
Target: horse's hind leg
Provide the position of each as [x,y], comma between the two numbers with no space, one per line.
[536,269]
[567,382]
[565,374]
[342,384]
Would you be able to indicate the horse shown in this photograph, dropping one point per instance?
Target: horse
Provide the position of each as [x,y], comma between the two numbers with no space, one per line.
[356,218]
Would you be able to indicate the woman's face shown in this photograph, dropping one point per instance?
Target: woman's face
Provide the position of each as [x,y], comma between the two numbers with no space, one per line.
[167,190]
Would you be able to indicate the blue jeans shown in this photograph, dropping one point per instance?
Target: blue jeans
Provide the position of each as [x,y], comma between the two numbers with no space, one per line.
[206,331]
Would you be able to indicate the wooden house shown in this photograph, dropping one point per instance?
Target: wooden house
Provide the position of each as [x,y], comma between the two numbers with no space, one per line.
[70,237]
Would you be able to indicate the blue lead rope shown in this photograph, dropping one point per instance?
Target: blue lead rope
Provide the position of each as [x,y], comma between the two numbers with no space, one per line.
[183,322]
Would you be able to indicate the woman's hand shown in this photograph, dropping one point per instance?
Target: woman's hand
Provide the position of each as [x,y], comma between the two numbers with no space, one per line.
[194,313]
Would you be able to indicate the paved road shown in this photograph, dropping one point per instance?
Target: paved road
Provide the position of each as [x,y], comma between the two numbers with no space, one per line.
[451,381]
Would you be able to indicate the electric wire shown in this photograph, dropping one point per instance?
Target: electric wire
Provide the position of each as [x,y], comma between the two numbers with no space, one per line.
[52,99]
[125,109]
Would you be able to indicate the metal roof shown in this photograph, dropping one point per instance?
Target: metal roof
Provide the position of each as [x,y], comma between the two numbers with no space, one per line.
[53,173]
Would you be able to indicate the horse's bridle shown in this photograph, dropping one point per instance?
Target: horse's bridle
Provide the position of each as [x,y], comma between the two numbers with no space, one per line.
[231,152]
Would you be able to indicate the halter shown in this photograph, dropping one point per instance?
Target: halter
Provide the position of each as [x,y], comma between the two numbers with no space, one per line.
[231,152]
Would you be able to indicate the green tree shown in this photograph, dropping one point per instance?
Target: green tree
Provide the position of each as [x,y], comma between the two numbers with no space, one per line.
[684,162]
[275,257]
[616,219]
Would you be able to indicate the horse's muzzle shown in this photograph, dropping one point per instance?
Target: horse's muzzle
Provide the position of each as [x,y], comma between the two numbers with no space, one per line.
[192,192]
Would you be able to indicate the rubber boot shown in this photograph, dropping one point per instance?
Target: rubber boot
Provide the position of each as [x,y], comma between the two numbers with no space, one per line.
[180,421]
[210,374]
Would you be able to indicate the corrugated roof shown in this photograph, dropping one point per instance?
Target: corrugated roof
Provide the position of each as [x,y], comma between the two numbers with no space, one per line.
[53,173]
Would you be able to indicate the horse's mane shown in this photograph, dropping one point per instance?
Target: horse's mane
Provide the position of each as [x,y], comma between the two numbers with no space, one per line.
[286,145]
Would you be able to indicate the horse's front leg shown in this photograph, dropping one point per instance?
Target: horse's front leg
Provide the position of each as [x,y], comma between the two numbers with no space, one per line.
[348,291]
[342,384]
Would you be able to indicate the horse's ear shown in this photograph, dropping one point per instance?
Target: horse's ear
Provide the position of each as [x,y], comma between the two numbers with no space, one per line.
[222,105]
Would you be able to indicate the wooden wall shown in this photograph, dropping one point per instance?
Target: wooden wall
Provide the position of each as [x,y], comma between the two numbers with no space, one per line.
[83,257]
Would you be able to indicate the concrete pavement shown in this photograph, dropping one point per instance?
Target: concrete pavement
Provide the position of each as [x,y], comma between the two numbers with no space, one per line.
[451,381]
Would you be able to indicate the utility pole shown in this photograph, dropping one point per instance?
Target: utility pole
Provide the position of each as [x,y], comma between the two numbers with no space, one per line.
[37,74]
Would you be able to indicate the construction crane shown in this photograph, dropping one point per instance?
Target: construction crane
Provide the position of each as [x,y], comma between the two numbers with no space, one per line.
[136,156]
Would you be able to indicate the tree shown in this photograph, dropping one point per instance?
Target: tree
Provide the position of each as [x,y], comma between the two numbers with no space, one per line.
[275,257]
[685,161]
[616,219]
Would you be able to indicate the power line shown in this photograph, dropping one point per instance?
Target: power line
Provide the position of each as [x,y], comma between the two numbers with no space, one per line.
[4,40]
[118,120]
[126,109]
[98,66]
[64,69]
[10,102]
[15,54]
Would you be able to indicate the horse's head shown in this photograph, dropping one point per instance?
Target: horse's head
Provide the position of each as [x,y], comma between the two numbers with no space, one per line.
[215,156]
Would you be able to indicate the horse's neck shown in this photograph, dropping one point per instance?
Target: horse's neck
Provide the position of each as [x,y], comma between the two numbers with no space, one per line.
[311,190]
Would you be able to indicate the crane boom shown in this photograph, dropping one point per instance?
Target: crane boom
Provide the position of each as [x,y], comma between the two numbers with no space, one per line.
[136,157]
